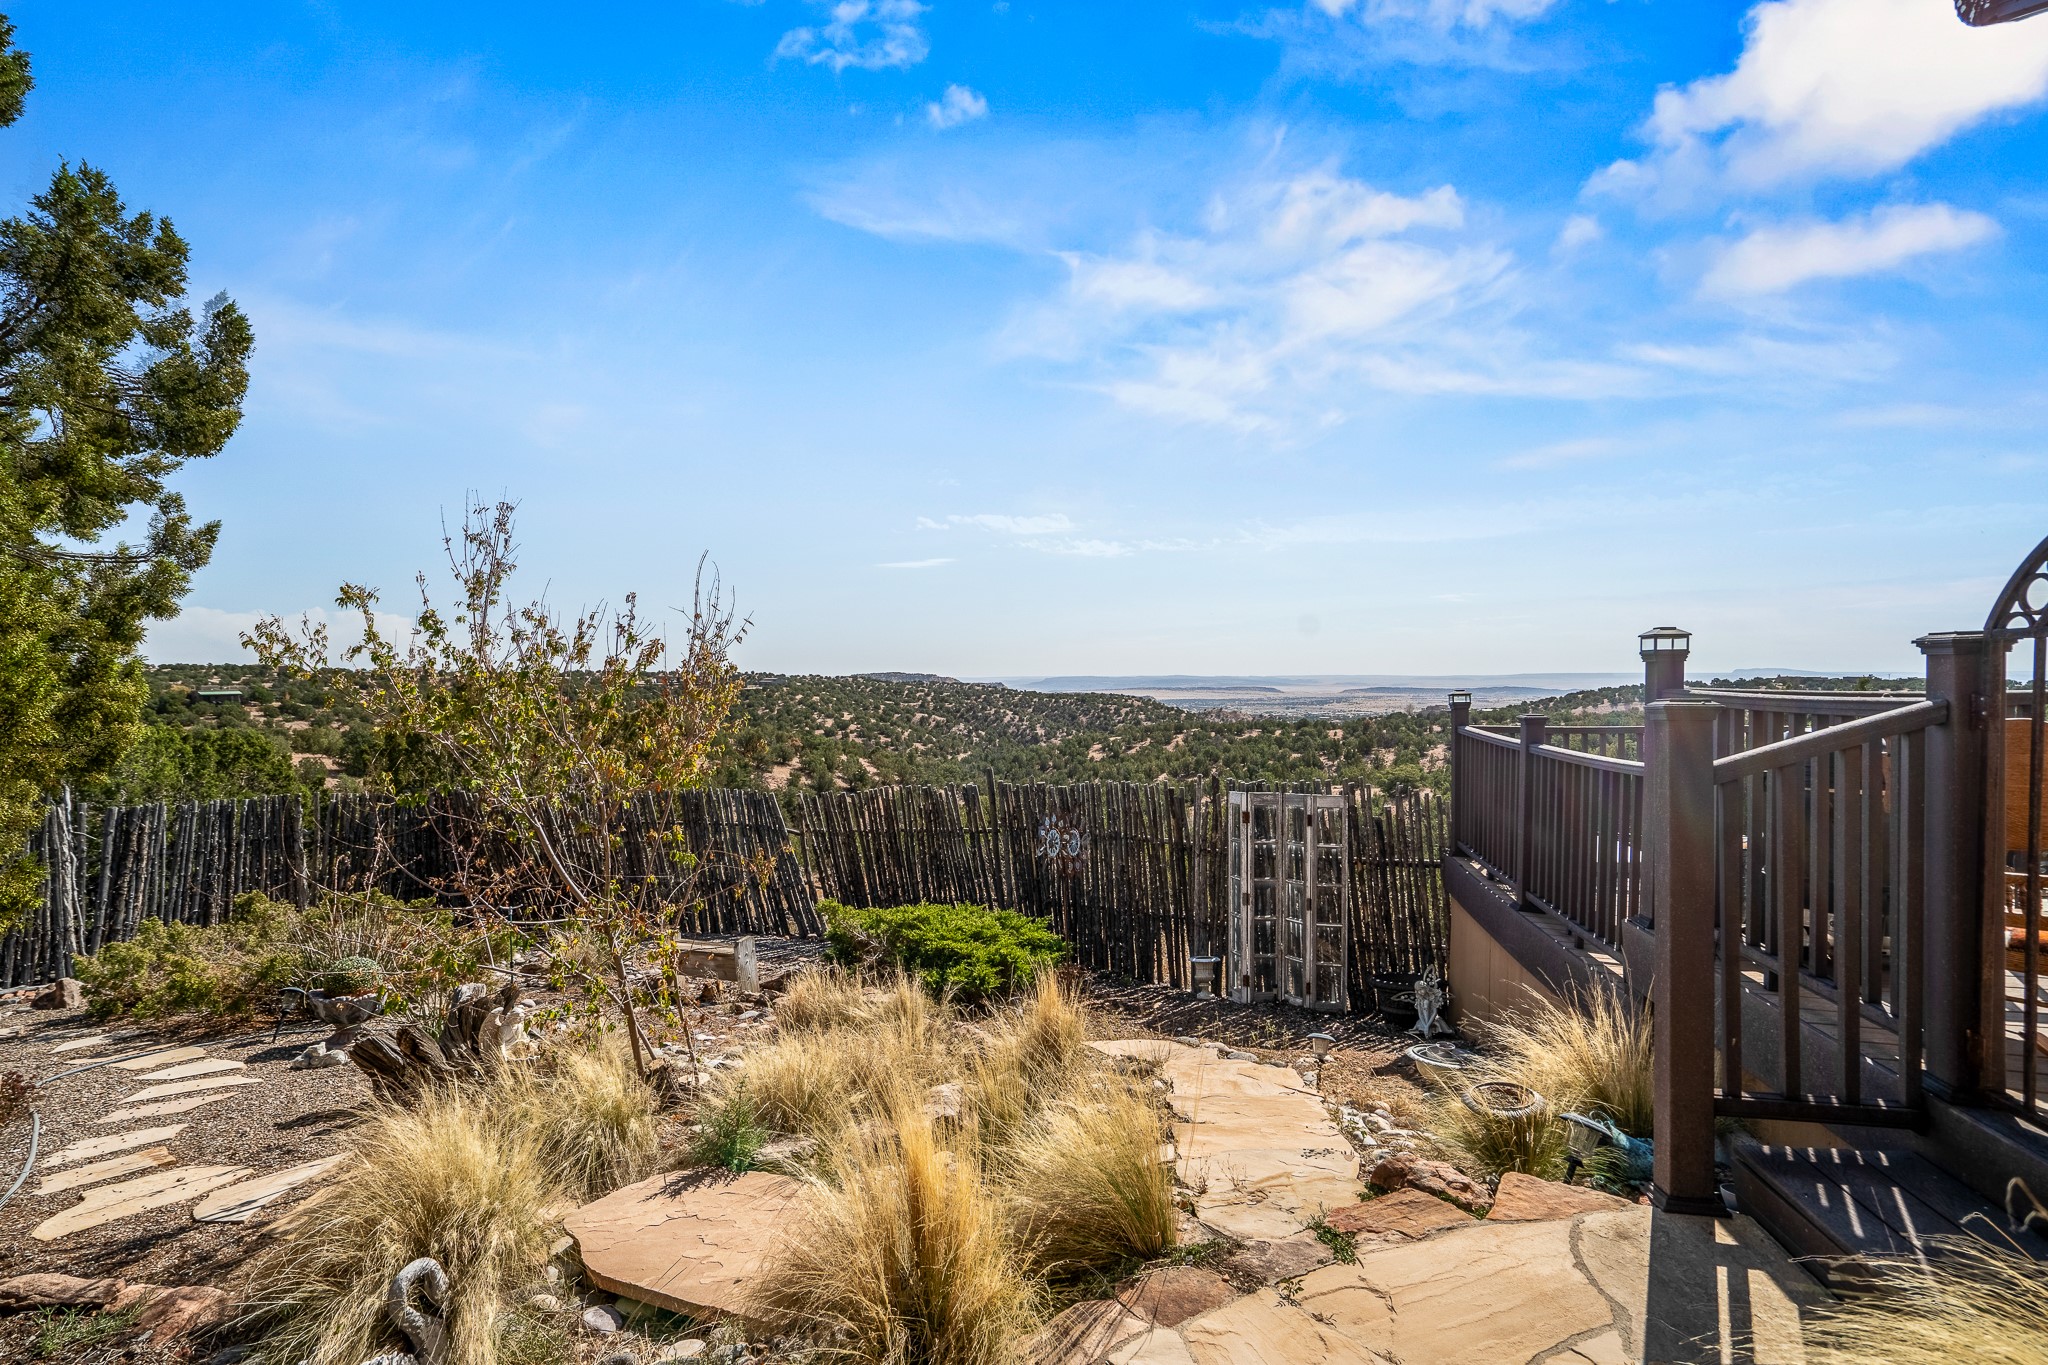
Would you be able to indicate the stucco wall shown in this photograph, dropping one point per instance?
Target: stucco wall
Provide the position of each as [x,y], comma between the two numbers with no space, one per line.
[1485,979]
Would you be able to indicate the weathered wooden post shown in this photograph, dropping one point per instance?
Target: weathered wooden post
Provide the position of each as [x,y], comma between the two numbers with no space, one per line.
[1961,1015]
[1664,650]
[1680,820]
[1535,734]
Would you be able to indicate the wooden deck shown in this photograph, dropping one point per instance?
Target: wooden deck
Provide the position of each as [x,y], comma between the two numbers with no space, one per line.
[1842,1208]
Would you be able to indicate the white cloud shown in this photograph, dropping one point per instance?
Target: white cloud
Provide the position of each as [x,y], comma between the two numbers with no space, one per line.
[957,106]
[1290,285]
[205,635]
[1773,259]
[872,35]
[1834,88]
[1441,13]
[1559,453]
[1046,524]
[1579,230]
[915,564]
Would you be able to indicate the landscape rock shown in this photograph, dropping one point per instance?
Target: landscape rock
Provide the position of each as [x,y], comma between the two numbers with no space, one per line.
[1269,1262]
[66,994]
[688,1349]
[1526,1198]
[1409,1213]
[1083,1334]
[603,1318]
[1169,1296]
[945,1102]
[182,1310]
[689,1243]
[1266,1329]
[620,1358]
[544,1303]
[49,1290]
[1235,1055]
[1160,1346]
[1407,1170]
[320,1056]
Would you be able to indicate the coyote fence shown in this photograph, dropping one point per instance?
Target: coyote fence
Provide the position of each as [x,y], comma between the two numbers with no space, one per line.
[1132,875]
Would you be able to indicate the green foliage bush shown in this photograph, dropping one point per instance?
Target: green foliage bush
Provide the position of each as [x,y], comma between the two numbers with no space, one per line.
[970,950]
[342,945]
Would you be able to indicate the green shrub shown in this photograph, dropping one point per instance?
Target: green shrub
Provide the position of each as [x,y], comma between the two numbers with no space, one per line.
[970,950]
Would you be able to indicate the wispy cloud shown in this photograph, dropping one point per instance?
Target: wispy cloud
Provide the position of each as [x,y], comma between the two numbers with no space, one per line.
[1832,88]
[957,106]
[1441,13]
[1776,258]
[1558,453]
[916,563]
[1043,524]
[871,35]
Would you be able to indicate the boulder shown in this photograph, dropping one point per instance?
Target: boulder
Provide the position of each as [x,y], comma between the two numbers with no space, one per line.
[1408,1170]
[603,1318]
[1082,1335]
[944,1103]
[67,994]
[182,1310]
[1268,1262]
[1169,1296]
[1527,1198]
[690,1243]
[1409,1213]
[58,1291]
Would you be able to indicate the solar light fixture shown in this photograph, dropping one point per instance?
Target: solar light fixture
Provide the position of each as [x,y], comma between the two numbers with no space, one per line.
[1320,1044]
[1663,640]
[1205,970]
[1980,13]
[1463,698]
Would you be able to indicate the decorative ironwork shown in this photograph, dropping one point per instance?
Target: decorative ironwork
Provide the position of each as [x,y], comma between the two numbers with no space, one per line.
[2022,608]
[1980,13]
[1062,844]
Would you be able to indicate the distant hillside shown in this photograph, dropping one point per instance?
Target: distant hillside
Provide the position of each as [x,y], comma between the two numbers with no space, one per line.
[832,733]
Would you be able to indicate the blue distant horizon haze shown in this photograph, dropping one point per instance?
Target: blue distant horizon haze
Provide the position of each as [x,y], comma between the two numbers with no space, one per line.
[1021,339]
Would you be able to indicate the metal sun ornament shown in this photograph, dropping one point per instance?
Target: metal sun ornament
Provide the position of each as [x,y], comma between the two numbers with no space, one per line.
[1981,13]
[1061,843]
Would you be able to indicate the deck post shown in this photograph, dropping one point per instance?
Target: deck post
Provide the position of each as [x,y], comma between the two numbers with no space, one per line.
[1461,716]
[1535,733]
[1679,819]
[1961,1014]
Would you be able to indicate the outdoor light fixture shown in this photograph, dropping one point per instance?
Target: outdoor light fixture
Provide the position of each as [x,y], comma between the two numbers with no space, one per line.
[1583,1137]
[1320,1044]
[1205,971]
[1670,639]
[1978,13]
[1463,698]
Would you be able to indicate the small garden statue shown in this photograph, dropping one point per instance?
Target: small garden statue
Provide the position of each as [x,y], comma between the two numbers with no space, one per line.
[1431,995]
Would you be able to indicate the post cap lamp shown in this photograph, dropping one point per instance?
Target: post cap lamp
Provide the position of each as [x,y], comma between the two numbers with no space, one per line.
[1662,640]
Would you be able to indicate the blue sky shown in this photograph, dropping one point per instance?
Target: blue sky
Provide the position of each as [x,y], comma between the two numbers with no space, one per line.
[1017,338]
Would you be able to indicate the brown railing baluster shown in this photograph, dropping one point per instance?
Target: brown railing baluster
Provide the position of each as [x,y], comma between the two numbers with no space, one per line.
[1788,860]
[1848,922]
[1911,890]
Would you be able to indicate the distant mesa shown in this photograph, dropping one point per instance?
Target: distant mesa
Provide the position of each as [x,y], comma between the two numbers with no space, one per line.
[906,677]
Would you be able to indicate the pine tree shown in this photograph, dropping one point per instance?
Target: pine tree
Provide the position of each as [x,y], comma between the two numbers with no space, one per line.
[108,385]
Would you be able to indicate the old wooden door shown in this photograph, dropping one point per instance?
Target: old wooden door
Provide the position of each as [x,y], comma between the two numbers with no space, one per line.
[1290,890]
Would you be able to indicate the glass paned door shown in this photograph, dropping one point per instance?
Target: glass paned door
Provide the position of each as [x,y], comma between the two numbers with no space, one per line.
[1289,898]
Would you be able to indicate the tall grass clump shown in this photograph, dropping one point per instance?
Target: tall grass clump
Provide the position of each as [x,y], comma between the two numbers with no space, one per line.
[1085,1184]
[899,1256]
[819,999]
[1489,1145]
[591,1113]
[1973,1302]
[1590,1053]
[1030,1055]
[446,1177]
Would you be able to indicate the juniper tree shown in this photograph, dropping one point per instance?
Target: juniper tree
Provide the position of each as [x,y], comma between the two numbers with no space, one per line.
[108,385]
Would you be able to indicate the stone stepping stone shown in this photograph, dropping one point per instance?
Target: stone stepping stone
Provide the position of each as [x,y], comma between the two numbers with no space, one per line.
[691,1243]
[210,1067]
[163,1107]
[94,1041]
[239,1202]
[131,1197]
[116,1142]
[147,1160]
[164,1092]
[176,1054]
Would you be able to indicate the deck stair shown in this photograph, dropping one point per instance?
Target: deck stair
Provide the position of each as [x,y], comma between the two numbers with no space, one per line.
[1842,1208]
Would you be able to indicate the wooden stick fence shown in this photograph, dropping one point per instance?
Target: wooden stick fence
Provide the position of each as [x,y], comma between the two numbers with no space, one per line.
[1132,875]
